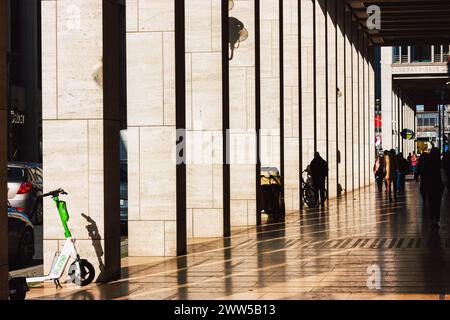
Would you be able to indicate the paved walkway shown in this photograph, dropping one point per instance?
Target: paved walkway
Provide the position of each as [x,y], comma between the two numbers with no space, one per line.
[315,254]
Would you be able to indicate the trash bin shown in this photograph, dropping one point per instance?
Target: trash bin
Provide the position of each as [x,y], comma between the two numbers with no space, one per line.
[272,200]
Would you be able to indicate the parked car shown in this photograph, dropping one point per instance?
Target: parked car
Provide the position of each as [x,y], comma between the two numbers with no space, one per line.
[25,189]
[123,198]
[20,238]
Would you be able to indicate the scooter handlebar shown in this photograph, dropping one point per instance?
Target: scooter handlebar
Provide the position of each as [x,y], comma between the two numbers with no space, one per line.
[54,193]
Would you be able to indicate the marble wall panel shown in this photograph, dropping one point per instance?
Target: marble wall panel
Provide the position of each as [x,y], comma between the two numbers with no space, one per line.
[349,102]
[321,78]
[270,84]
[356,106]
[291,104]
[342,87]
[307,60]
[151,127]
[204,89]
[332,103]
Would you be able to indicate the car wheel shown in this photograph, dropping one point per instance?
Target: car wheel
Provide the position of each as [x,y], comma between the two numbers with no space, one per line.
[38,214]
[26,248]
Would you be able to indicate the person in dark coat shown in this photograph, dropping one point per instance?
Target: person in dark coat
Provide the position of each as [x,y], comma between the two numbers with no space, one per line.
[379,172]
[402,171]
[421,165]
[446,167]
[319,173]
[434,186]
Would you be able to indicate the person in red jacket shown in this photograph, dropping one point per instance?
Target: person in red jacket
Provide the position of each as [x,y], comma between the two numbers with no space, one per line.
[414,161]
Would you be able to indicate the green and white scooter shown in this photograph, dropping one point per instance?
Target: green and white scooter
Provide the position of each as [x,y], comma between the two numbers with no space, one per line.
[81,272]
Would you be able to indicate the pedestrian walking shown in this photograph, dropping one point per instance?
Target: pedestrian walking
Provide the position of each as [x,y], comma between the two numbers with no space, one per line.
[402,171]
[414,160]
[409,159]
[446,168]
[435,186]
[391,173]
[421,166]
[379,172]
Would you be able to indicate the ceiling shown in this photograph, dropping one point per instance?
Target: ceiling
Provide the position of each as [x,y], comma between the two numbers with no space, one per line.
[408,22]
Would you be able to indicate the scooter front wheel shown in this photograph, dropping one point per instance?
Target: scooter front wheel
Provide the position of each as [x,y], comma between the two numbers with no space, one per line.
[82,276]
[18,288]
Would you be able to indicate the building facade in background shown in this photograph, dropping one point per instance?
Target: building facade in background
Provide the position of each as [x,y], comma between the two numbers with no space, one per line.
[414,76]
[433,128]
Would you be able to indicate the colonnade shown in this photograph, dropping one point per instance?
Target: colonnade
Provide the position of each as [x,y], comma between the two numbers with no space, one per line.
[300,79]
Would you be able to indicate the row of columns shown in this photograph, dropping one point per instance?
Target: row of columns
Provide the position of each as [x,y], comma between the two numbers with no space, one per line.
[403,117]
[304,77]
[397,112]
[263,94]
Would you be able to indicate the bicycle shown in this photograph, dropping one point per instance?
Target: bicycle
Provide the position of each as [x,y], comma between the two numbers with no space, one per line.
[309,196]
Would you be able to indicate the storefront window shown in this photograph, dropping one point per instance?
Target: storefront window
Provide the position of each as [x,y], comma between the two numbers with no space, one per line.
[396,54]
[404,54]
[437,53]
[421,54]
[445,53]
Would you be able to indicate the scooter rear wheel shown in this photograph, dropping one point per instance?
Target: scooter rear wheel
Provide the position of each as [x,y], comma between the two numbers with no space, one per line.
[86,274]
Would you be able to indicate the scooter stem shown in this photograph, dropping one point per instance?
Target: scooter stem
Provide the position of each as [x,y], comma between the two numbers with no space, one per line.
[64,215]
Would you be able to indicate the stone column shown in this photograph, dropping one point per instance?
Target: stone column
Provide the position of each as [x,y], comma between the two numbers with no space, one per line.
[386,97]
[205,203]
[307,102]
[332,103]
[361,105]
[291,105]
[341,85]
[355,100]
[242,120]
[395,104]
[80,61]
[372,104]
[368,143]
[270,84]
[3,144]
[321,78]
[349,100]
[152,179]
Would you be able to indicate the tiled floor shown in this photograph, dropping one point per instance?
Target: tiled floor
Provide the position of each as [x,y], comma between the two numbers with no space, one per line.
[315,254]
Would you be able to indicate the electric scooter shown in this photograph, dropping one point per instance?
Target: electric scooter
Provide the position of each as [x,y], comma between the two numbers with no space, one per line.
[81,272]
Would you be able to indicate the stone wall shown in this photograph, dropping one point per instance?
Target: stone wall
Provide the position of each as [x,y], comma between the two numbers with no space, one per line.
[242,120]
[151,127]
[81,128]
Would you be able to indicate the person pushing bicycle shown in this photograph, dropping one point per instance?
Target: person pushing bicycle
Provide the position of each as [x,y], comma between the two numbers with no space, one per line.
[319,172]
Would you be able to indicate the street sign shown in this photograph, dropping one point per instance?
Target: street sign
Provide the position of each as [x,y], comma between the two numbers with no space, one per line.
[408,134]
